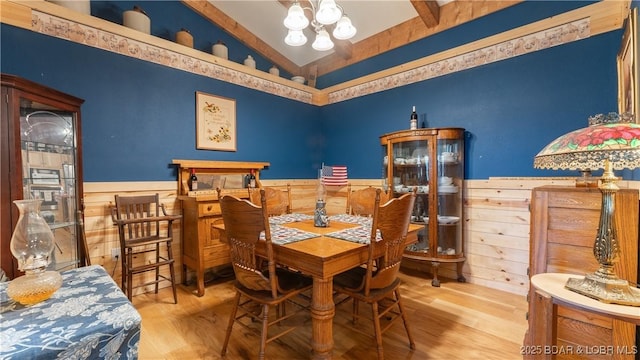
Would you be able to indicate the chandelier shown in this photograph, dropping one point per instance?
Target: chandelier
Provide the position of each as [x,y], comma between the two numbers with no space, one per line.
[326,13]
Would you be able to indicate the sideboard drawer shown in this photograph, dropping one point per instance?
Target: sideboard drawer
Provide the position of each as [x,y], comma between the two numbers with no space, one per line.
[208,209]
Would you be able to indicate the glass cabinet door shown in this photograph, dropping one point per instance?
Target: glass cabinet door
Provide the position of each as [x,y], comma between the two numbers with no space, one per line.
[41,158]
[410,167]
[450,178]
[48,149]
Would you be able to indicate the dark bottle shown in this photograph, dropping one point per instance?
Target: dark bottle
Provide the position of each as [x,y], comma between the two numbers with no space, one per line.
[414,119]
[252,179]
[193,180]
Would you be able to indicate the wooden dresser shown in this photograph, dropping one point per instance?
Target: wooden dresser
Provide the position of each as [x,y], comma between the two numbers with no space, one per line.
[201,247]
[564,222]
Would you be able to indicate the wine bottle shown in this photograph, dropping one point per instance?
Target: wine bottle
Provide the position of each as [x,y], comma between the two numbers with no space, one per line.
[414,119]
[193,180]
[252,179]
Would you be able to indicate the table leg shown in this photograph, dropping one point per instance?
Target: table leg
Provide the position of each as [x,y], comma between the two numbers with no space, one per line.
[322,312]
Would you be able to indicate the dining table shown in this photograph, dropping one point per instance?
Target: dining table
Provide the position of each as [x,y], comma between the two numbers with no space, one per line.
[322,253]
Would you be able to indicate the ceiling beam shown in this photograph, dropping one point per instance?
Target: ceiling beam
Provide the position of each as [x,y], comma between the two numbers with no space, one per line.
[452,14]
[207,10]
[428,11]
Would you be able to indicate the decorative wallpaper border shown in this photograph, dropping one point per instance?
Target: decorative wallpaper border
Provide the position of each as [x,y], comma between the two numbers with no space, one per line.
[51,25]
[562,34]
[69,30]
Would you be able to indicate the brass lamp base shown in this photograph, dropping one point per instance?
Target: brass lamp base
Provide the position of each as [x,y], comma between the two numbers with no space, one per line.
[607,290]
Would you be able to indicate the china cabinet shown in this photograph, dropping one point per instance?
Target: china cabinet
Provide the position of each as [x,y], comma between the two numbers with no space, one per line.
[201,246]
[41,158]
[431,161]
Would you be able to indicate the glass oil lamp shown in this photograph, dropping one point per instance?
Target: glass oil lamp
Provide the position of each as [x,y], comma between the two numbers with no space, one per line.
[32,245]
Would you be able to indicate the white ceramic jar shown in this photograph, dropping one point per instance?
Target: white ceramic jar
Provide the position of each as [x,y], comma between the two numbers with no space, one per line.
[250,62]
[81,6]
[137,19]
[219,49]
[274,71]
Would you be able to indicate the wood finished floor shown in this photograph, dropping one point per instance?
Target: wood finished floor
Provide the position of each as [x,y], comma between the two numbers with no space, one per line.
[455,321]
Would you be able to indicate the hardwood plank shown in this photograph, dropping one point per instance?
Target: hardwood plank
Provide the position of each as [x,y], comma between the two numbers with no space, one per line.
[455,321]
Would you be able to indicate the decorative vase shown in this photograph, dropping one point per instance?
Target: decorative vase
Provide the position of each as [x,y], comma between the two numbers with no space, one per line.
[81,6]
[31,245]
[219,49]
[137,19]
[274,70]
[250,62]
[299,79]
[183,37]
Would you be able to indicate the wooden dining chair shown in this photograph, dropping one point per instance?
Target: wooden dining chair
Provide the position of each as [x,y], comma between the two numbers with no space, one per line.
[361,202]
[145,245]
[244,223]
[377,283]
[278,201]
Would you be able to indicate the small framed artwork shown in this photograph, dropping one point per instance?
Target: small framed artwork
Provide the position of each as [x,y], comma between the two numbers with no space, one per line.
[627,60]
[215,122]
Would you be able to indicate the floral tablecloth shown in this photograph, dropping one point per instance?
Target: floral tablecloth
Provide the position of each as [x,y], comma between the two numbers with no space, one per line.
[89,317]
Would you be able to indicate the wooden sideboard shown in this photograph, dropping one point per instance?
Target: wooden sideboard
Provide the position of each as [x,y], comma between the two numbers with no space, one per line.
[564,221]
[201,245]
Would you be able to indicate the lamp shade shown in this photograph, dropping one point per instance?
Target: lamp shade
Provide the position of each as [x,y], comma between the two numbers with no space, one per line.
[295,38]
[328,12]
[296,20]
[608,137]
[322,41]
[344,29]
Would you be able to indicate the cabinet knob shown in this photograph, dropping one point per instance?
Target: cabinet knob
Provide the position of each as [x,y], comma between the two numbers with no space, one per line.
[209,208]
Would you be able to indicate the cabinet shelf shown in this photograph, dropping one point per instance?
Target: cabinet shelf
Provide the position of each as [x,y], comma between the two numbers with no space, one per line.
[422,169]
[60,225]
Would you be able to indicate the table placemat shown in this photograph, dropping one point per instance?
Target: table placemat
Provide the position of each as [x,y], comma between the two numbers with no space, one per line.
[352,219]
[282,235]
[360,234]
[288,218]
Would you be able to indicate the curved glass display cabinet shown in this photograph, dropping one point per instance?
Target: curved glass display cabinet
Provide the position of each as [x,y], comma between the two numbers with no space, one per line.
[41,159]
[431,161]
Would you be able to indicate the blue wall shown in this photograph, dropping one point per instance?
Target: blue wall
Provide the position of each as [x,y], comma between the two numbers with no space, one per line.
[511,109]
[138,116]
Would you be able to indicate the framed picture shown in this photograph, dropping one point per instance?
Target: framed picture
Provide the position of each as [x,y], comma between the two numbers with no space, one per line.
[215,122]
[627,60]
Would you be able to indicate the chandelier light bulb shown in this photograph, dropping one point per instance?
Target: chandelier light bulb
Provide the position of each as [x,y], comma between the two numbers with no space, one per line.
[344,29]
[295,38]
[328,12]
[322,42]
[296,20]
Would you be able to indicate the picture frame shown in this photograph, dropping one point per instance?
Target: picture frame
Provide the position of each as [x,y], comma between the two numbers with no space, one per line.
[215,122]
[627,61]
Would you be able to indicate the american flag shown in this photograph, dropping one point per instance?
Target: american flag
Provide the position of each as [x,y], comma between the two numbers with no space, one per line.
[335,175]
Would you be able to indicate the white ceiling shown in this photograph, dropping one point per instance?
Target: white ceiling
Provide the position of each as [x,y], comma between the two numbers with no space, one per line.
[264,19]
